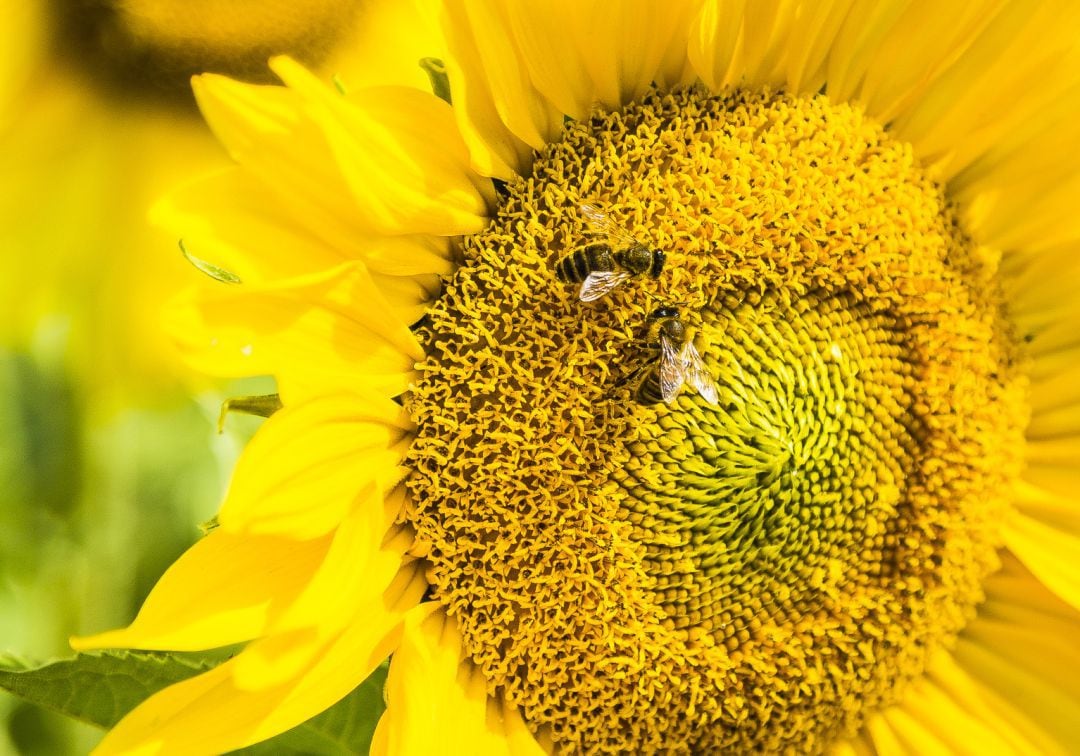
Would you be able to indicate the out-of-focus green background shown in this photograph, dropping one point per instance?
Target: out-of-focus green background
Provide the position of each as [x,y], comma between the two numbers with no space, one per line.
[91,513]
[109,452]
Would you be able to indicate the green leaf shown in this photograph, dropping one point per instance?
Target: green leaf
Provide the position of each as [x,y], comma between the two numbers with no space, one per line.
[100,688]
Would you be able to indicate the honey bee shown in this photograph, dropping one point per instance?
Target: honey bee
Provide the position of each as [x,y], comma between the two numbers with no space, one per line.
[600,266]
[674,361]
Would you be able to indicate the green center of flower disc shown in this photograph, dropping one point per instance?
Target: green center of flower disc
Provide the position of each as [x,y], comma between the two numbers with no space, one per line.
[753,575]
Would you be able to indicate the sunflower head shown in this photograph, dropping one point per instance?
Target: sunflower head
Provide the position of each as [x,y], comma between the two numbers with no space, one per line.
[821,529]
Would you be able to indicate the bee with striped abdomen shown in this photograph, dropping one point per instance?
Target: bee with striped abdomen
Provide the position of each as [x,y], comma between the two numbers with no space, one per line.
[674,360]
[601,266]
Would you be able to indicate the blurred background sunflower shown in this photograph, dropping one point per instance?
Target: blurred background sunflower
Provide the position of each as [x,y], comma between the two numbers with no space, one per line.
[110,455]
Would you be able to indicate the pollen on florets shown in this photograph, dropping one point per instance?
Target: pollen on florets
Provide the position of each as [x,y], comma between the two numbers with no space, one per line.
[752,575]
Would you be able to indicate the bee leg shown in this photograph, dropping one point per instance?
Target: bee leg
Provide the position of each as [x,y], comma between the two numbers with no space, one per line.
[630,377]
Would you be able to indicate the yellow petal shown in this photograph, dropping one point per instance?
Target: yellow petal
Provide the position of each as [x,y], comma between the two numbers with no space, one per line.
[265,131]
[364,561]
[1010,687]
[230,219]
[311,463]
[919,43]
[241,114]
[495,150]
[879,731]
[399,154]
[714,34]
[812,37]
[386,55]
[1033,212]
[437,701]
[1034,283]
[516,68]
[1008,80]
[1045,535]
[549,40]
[859,745]
[526,114]
[856,44]
[223,590]
[409,296]
[917,735]
[760,55]
[332,157]
[312,333]
[1019,657]
[950,709]
[773,43]
[275,660]
[211,714]
[609,52]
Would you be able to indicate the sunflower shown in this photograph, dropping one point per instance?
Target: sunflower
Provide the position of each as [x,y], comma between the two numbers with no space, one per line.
[802,483]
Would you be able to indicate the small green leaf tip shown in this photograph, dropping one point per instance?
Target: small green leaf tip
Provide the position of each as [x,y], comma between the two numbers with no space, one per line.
[263,405]
[440,82]
[215,272]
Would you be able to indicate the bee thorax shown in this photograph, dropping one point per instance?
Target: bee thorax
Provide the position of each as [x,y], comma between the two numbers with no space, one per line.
[637,259]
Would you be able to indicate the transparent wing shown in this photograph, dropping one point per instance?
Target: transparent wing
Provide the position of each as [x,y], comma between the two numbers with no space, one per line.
[697,375]
[672,372]
[599,223]
[600,283]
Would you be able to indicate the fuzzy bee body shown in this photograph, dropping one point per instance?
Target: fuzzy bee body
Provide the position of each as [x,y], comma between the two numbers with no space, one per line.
[673,361]
[649,390]
[601,266]
[584,261]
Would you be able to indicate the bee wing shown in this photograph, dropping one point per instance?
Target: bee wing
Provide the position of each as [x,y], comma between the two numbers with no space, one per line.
[600,283]
[697,375]
[600,223]
[672,369]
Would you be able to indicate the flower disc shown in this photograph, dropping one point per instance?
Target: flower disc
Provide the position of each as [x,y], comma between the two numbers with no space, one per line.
[751,575]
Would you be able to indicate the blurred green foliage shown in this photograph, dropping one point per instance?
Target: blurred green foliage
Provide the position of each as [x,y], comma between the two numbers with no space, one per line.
[93,508]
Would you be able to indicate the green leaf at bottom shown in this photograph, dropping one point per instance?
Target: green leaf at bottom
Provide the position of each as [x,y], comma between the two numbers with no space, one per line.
[96,688]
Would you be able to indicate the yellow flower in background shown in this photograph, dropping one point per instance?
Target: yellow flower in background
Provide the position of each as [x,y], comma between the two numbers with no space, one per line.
[866,544]
[98,122]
